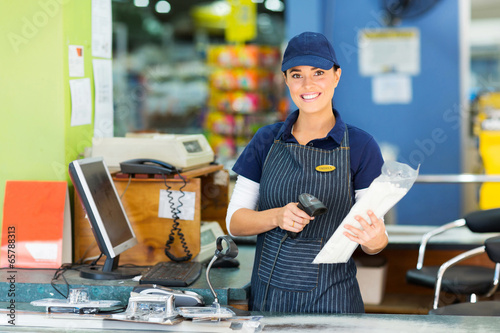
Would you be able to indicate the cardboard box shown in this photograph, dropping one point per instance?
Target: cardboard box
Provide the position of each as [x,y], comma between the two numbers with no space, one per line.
[371,278]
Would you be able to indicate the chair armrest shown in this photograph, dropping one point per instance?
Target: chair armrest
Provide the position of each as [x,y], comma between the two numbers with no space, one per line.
[427,236]
[493,248]
[452,262]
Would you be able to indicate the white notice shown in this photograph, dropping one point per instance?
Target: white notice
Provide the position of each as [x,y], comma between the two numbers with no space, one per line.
[388,50]
[81,102]
[391,88]
[103,83]
[101,28]
[75,61]
[182,203]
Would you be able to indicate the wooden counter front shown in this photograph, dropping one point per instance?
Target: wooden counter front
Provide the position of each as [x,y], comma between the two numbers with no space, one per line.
[141,202]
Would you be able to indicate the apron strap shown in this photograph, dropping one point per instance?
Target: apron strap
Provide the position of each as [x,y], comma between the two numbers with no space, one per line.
[345,139]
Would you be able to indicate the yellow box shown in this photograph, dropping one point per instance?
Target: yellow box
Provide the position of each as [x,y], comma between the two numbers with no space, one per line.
[489,149]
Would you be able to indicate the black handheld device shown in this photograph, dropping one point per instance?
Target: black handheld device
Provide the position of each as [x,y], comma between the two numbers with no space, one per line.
[311,205]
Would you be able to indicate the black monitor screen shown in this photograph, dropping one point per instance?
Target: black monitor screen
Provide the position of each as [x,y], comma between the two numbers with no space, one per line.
[108,219]
[107,204]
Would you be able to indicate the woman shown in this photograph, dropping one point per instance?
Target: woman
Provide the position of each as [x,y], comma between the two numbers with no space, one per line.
[279,164]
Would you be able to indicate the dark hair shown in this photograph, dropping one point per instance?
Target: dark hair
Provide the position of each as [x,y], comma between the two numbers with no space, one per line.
[335,67]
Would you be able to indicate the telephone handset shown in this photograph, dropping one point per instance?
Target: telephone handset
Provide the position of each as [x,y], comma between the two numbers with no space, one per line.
[147,166]
[152,166]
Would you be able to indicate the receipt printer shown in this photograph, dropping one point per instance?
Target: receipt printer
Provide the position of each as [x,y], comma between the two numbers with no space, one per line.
[182,151]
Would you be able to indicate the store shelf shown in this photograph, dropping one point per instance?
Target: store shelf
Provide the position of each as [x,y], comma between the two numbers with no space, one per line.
[242,96]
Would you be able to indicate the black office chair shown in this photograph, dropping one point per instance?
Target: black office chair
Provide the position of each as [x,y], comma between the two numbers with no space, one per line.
[467,280]
[482,308]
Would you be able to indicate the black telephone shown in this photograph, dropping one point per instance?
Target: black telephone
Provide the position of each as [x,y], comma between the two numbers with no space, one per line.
[147,166]
[152,166]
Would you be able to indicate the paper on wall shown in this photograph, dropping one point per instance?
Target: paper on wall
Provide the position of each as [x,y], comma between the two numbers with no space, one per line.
[182,202]
[103,83]
[76,61]
[81,102]
[384,192]
[102,28]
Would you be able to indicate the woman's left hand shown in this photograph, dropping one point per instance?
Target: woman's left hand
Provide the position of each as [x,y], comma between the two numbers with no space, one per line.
[372,238]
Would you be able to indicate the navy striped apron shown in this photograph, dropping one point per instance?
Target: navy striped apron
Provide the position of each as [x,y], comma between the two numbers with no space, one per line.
[296,284]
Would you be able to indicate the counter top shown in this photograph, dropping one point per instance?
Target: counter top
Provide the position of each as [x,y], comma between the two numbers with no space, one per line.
[290,323]
[230,284]
[377,323]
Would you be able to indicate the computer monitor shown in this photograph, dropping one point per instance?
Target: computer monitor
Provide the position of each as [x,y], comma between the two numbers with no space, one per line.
[108,220]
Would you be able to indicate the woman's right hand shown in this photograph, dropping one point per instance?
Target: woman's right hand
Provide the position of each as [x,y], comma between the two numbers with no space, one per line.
[292,218]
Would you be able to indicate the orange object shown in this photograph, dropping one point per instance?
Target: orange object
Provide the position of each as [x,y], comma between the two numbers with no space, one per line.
[36,215]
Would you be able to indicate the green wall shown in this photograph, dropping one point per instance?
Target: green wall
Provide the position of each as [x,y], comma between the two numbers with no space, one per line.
[36,139]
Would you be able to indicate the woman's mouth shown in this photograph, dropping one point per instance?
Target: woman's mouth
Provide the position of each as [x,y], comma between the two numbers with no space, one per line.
[310,96]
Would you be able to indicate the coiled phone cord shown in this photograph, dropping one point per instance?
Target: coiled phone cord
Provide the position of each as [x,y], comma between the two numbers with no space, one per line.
[175,225]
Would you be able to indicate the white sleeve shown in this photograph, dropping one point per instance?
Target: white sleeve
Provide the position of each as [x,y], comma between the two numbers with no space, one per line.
[245,195]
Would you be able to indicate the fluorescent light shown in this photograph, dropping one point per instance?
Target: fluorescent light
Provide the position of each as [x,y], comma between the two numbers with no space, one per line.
[163,7]
[221,8]
[274,5]
[141,3]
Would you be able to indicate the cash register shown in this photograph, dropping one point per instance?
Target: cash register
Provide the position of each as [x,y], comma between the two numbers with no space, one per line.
[184,151]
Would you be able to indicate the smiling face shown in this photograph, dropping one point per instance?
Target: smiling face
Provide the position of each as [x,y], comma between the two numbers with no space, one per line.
[312,88]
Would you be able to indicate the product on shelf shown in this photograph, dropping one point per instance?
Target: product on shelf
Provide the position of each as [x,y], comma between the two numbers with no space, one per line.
[242,95]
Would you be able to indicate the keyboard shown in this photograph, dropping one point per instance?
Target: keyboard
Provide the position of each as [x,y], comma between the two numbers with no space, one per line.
[172,274]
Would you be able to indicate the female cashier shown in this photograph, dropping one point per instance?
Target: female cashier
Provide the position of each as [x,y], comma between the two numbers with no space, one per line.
[279,164]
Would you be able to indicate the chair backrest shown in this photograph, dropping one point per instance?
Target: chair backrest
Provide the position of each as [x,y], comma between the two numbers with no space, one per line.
[487,220]
[492,246]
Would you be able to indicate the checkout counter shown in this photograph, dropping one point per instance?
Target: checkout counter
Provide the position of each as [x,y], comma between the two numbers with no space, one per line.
[397,312]
[231,285]
[232,288]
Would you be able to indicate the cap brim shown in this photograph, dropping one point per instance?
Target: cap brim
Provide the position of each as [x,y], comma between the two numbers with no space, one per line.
[307,60]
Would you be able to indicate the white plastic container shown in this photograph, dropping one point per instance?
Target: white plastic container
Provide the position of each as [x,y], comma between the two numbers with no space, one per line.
[371,277]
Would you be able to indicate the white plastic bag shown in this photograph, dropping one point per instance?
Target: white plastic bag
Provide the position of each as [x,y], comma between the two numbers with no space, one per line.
[384,192]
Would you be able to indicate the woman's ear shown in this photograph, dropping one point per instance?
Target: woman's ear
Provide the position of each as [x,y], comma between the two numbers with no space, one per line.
[337,75]
[284,78]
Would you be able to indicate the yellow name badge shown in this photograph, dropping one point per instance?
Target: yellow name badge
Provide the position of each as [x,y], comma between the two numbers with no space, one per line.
[325,168]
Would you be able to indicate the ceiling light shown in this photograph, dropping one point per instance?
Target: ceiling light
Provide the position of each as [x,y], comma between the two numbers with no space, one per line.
[141,3]
[163,7]
[274,5]
[221,8]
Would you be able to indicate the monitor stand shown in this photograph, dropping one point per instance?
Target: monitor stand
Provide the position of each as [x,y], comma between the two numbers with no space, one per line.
[110,271]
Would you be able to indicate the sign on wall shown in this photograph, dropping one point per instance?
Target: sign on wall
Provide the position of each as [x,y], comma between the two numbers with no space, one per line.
[389,50]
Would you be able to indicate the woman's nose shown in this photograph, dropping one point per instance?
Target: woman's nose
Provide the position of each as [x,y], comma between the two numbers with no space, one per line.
[307,81]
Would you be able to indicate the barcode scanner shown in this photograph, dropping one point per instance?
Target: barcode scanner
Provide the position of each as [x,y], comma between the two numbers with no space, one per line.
[311,206]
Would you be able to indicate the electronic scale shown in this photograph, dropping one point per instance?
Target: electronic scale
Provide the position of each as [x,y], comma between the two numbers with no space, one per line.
[184,151]
[209,232]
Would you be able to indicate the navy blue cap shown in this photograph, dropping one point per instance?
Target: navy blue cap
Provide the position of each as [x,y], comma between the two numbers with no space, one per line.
[309,49]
